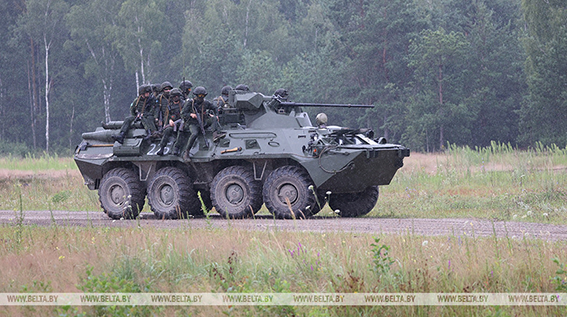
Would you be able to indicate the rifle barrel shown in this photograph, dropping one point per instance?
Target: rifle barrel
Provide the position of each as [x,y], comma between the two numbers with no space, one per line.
[337,105]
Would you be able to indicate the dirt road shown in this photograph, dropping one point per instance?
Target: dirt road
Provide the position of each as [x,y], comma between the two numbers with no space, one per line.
[425,227]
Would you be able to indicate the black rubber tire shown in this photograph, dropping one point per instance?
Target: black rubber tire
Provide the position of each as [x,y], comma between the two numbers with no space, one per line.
[235,193]
[355,204]
[171,194]
[291,183]
[121,194]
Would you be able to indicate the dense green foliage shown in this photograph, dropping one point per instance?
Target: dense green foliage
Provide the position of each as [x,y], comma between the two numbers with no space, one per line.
[458,71]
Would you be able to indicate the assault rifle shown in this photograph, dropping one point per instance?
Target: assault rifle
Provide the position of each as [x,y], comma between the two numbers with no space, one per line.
[201,124]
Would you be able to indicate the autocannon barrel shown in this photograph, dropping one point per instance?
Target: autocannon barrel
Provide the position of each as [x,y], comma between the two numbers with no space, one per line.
[337,105]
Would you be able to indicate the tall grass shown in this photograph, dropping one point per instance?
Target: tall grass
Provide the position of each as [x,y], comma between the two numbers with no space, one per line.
[35,163]
[496,182]
[66,259]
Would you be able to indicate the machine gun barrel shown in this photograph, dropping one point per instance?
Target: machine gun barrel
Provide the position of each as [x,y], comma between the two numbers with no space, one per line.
[336,105]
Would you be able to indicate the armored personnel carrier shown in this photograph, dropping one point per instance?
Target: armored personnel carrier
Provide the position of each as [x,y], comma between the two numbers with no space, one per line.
[271,154]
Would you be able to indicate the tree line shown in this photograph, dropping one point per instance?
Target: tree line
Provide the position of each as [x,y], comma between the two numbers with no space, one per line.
[464,72]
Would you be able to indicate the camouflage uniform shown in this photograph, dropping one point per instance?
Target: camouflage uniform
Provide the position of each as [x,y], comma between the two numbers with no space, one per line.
[221,102]
[162,102]
[172,113]
[142,109]
[191,126]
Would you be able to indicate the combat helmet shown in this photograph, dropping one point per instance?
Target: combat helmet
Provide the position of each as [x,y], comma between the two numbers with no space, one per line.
[200,91]
[225,90]
[166,84]
[144,89]
[175,92]
[185,85]
[281,93]
[156,88]
[242,87]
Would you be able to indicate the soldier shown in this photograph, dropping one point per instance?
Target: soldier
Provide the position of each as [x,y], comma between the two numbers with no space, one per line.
[156,89]
[281,94]
[221,102]
[185,87]
[162,102]
[242,87]
[142,108]
[197,114]
[172,117]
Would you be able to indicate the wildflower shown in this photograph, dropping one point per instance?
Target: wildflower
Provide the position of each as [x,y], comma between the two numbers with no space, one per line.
[424,243]
[328,193]
[545,214]
[310,187]
[529,213]
[337,211]
[514,216]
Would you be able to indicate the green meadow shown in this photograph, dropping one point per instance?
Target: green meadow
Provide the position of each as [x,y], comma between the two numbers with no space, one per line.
[498,182]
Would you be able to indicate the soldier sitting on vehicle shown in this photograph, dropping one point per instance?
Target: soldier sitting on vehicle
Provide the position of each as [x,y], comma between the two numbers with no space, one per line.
[197,114]
[172,118]
[141,109]
[156,90]
[242,88]
[281,95]
[221,102]
[185,87]
[162,102]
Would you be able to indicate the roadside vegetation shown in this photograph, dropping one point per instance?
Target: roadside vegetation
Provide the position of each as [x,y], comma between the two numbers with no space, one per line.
[101,259]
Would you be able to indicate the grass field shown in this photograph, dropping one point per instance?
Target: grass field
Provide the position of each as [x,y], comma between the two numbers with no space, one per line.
[492,183]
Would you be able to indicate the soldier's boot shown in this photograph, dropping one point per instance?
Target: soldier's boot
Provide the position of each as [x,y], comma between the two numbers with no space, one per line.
[119,137]
[218,135]
[148,135]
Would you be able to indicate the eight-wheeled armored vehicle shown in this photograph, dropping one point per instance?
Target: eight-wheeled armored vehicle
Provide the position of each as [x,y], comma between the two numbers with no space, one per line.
[271,154]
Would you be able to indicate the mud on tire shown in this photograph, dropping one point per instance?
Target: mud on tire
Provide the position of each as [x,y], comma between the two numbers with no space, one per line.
[121,194]
[171,194]
[355,204]
[287,193]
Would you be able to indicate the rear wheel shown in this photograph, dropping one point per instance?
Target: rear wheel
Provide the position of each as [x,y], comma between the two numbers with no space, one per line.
[171,194]
[354,204]
[289,193]
[121,194]
[235,193]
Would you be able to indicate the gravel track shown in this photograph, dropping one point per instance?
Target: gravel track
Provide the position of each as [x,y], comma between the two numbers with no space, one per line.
[415,226]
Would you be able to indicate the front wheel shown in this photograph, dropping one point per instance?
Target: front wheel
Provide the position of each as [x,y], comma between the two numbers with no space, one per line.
[289,193]
[171,194]
[355,204]
[121,194]
[235,193]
